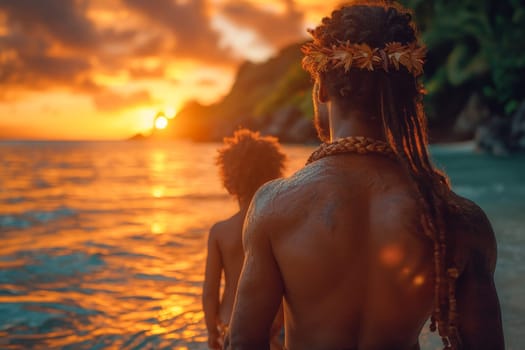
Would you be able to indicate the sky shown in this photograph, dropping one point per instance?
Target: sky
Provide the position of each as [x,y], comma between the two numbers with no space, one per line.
[103,69]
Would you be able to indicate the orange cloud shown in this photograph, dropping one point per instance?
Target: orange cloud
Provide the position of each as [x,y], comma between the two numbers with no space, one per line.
[275,28]
[111,101]
[189,23]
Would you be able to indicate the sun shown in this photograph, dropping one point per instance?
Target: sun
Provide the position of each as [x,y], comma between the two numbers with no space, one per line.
[161,122]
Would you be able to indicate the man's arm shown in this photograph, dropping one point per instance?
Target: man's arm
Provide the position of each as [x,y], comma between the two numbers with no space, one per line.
[211,290]
[260,288]
[478,305]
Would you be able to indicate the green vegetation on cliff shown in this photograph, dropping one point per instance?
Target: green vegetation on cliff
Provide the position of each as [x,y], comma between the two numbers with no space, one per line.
[476,47]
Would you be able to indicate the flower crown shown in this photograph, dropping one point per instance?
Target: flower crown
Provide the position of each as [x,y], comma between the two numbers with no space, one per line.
[345,54]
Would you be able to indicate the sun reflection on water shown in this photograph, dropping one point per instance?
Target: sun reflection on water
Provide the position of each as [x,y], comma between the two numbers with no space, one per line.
[158,228]
[158,162]
[158,191]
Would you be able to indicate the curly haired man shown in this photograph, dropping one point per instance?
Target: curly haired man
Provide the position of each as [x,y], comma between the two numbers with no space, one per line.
[246,161]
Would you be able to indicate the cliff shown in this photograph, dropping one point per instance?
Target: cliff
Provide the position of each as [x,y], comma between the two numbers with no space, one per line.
[273,96]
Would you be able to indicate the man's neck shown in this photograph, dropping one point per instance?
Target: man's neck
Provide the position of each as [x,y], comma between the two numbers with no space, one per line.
[354,124]
[244,204]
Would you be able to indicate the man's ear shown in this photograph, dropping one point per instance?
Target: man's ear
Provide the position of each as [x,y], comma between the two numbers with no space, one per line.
[322,91]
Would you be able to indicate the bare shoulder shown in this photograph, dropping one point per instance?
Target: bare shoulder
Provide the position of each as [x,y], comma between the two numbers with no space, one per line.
[267,203]
[279,202]
[472,230]
[219,228]
[226,227]
[480,314]
[277,195]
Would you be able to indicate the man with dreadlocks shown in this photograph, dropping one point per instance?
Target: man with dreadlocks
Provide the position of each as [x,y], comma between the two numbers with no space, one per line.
[367,242]
[246,161]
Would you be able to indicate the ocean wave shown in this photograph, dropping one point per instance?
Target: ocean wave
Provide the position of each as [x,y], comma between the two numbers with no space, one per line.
[54,262]
[50,265]
[155,277]
[16,200]
[34,217]
[14,222]
[45,216]
[41,184]
[39,315]
[184,196]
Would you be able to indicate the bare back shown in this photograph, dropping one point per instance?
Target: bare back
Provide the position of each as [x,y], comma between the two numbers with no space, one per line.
[225,254]
[353,239]
[228,235]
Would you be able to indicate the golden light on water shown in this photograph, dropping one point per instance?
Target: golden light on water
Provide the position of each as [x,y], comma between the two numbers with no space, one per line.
[158,163]
[158,227]
[158,191]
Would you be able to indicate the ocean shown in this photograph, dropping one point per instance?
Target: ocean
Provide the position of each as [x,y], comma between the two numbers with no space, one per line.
[102,244]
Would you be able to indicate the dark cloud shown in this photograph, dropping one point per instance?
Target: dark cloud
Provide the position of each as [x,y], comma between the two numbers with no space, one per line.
[26,63]
[112,35]
[63,20]
[53,68]
[111,101]
[151,47]
[54,44]
[275,28]
[35,29]
[189,23]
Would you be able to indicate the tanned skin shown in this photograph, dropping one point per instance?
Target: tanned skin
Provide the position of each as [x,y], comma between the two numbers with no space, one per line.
[341,242]
[246,161]
[225,253]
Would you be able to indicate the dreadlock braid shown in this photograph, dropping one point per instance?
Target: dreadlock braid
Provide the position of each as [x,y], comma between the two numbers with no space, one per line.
[396,96]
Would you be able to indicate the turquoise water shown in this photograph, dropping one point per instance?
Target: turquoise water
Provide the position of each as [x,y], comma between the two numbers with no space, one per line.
[102,244]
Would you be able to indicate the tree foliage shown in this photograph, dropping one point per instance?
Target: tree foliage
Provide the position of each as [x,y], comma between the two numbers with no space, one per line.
[474,45]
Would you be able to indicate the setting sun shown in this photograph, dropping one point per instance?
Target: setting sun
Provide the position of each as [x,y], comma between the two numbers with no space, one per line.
[161,122]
